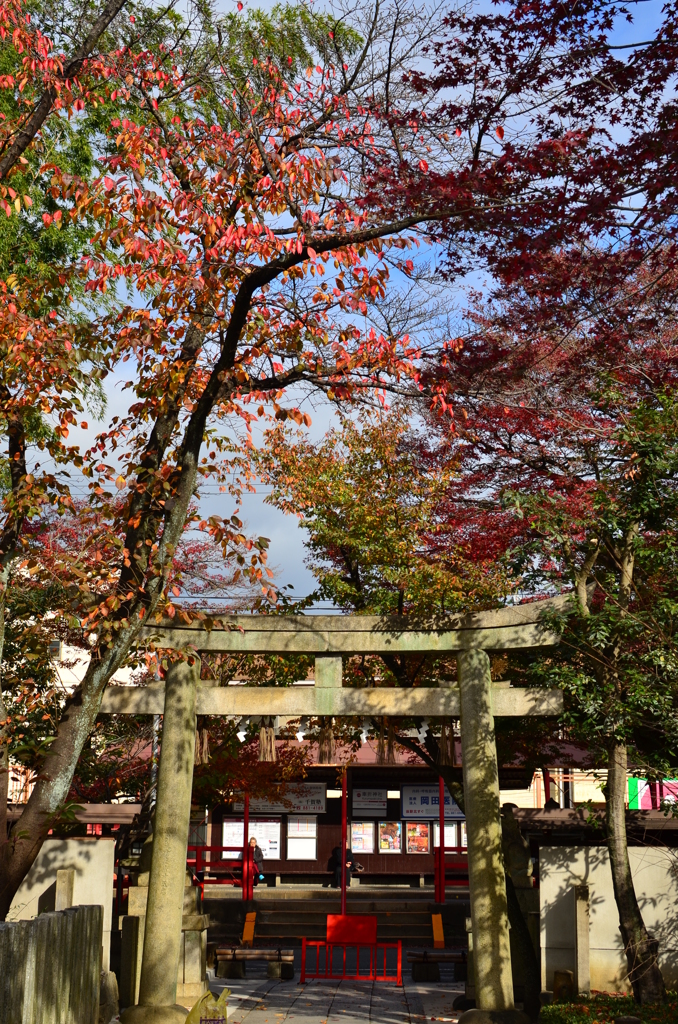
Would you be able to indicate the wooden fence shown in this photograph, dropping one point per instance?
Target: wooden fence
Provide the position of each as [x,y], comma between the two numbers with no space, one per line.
[50,968]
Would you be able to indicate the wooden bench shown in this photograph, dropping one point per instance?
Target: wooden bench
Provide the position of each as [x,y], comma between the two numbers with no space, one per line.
[231,960]
[425,965]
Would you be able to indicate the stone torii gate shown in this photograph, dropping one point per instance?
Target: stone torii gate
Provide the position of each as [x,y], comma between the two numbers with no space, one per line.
[474,700]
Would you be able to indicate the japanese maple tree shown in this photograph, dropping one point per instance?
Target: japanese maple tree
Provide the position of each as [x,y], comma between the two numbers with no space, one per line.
[567,447]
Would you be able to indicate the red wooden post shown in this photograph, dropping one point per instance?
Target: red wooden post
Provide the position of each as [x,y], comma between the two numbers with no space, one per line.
[441,841]
[303,961]
[399,979]
[547,785]
[246,851]
[343,844]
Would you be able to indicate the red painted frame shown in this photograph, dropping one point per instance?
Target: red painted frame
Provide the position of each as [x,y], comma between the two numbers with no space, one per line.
[329,975]
[243,878]
[458,865]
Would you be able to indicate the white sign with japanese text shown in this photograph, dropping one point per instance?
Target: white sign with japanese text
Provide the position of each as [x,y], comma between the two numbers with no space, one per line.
[371,800]
[423,802]
[304,797]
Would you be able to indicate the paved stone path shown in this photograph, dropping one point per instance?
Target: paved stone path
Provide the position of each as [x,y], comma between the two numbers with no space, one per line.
[258,1000]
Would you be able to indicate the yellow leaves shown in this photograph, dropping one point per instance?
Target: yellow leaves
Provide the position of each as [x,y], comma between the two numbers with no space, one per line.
[120,482]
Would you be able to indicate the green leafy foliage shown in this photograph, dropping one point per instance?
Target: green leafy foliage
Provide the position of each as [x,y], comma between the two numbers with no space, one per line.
[603,1009]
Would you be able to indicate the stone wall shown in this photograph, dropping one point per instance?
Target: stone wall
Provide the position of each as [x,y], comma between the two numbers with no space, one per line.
[566,921]
[50,968]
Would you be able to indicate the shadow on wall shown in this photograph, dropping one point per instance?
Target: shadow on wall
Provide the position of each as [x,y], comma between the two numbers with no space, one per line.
[655,876]
[92,860]
[32,898]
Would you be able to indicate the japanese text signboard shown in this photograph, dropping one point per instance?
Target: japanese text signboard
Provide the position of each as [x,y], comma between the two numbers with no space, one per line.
[370,801]
[421,803]
[304,798]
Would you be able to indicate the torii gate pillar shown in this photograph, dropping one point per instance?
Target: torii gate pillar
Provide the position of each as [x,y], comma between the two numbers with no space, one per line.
[489,912]
[162,934]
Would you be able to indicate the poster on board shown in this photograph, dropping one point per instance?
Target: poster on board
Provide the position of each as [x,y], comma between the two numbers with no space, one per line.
[452,832]
[423,802]
[390,837]
[266,833]
[417,836]
[362,836]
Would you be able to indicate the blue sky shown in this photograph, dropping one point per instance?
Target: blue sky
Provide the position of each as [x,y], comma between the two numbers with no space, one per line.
[285,533]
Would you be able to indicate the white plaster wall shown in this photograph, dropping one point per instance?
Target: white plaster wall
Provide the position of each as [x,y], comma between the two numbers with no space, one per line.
[93,861]
[655,876]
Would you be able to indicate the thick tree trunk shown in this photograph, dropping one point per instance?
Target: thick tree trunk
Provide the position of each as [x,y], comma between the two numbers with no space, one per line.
[4,730]
[640,948]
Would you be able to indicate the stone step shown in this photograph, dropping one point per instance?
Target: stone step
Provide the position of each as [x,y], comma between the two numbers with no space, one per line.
[319,929]
[295,910]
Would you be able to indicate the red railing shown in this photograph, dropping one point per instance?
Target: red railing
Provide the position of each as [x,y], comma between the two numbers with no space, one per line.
[328,973]
[208,870]
[450,871]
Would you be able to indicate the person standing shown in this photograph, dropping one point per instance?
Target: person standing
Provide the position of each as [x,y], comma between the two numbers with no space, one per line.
[258,858]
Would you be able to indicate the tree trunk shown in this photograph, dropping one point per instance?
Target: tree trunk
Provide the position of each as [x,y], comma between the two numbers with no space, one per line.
[640,948]
[4,730]
[51,792]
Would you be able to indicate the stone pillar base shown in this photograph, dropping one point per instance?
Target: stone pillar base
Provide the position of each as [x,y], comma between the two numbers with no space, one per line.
[188,992]
[154,1015]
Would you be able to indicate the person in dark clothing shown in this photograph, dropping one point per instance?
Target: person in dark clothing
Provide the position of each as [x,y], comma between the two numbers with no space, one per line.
[258,858]
[350,865]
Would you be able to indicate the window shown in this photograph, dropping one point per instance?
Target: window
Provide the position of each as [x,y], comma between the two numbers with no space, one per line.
[362,836]
[302,837]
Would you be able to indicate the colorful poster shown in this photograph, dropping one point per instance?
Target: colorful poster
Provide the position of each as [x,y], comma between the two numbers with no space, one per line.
[303,798]
[369,801]
[390,837]
[362,836]
[423,802]
[417,836]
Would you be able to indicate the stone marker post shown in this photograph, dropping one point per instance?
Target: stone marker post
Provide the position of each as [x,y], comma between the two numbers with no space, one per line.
[162,935]
[487,886]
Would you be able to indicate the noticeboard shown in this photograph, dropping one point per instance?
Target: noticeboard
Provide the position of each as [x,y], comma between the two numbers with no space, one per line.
[266,833]
[362,836]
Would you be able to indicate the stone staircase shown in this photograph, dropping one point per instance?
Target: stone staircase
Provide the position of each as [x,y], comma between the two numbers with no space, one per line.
[285,916]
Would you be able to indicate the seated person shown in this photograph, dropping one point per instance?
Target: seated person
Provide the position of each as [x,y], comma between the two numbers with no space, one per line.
[258,858]
[350,866]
